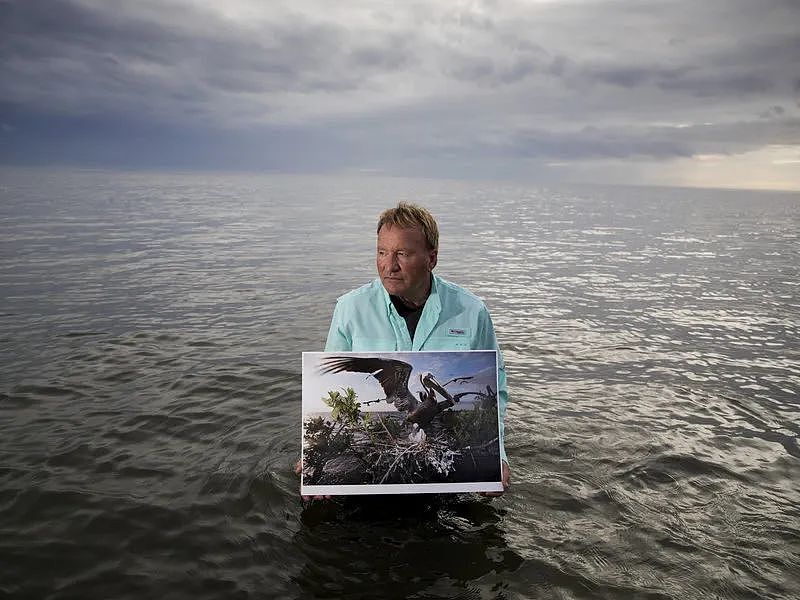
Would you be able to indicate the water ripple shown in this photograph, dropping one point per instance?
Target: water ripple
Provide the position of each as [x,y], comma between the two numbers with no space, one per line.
[149,390]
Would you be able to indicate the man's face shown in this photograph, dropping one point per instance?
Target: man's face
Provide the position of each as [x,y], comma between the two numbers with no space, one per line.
[404,262]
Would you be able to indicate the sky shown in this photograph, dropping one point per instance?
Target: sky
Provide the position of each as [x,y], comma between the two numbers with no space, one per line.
[480,365]
[662,92]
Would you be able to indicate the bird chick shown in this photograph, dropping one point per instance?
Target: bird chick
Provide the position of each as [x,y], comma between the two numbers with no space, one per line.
[417,434]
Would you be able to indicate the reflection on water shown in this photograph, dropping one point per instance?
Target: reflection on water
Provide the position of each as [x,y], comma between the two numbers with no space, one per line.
[150,337]
[414,545]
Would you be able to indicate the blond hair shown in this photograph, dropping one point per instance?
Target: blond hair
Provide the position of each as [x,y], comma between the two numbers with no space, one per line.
[407,215]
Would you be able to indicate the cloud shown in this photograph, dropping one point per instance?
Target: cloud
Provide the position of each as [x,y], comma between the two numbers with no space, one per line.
[175,62]
[394,86]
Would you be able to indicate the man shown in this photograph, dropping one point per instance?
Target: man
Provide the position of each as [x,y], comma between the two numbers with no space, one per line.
[409,308]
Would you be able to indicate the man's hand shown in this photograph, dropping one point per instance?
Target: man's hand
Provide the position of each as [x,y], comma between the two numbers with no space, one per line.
[298,468]
[505,478]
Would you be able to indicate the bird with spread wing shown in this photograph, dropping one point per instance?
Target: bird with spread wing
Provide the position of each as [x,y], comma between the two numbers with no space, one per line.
[393,376]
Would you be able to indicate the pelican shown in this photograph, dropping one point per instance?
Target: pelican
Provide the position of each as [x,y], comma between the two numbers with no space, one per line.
[393,375]
[428,406]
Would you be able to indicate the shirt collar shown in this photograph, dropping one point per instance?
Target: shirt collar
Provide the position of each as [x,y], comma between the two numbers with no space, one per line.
[433,296]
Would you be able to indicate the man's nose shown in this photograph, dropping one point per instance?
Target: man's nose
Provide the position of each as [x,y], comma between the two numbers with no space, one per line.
[392,263]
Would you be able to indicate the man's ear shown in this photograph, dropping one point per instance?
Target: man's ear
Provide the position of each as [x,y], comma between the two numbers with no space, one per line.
[433,256]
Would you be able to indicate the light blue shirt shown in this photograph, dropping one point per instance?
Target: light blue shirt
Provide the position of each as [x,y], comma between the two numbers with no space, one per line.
[365,320]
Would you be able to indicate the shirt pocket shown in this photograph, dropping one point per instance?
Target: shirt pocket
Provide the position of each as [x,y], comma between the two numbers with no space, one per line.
[370,344]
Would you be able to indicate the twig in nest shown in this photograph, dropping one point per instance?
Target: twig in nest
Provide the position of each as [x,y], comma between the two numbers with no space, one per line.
[396,460]
[391,437]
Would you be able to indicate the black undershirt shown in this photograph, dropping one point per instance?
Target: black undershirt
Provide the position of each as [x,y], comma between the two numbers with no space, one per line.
[410,315]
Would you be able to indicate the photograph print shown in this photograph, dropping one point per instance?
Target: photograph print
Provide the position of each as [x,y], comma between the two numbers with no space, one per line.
[400,423]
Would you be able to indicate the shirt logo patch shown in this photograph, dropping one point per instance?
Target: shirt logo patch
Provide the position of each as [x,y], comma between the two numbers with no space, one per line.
[457,332]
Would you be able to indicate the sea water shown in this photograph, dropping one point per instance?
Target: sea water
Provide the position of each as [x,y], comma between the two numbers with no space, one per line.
[151,328]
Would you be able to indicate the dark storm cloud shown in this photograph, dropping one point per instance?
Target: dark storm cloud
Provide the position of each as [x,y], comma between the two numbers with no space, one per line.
[749,69]
[109,141]
[484,71]
[707,86]
[387,83]
[42,29]
[592,143]
[632,75]
[739,136]
[773,111]
[391,55]
[650,142]
[108,53]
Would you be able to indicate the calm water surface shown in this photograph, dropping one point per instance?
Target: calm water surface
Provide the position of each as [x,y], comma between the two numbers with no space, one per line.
[150,334]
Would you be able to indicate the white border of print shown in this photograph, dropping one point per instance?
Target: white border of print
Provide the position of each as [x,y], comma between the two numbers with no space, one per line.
[309,396]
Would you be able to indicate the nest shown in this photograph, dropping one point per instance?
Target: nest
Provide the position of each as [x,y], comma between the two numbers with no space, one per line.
[407,461]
